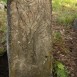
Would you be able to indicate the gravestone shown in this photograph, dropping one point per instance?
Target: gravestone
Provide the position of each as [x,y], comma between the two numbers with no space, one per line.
[29,42]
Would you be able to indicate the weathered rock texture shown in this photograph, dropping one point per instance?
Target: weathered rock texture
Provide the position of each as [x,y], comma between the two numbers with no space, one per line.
[29,38]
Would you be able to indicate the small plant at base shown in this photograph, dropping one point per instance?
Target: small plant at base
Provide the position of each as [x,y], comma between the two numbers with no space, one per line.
[60,70]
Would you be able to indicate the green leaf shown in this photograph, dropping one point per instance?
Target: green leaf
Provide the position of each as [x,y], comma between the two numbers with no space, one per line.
[60,69]
[60,65]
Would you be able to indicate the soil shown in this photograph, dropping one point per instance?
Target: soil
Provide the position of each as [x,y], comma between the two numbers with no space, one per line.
[4,66]
[65,50]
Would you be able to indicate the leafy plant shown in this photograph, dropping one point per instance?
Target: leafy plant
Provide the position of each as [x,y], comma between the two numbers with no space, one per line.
[4,1]
[60,70]
[57,35]
[65,10]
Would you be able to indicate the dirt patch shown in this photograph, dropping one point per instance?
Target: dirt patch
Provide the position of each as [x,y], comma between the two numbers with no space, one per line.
[65,47]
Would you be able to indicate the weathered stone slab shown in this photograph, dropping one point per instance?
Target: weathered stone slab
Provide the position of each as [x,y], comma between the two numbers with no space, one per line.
[29,38]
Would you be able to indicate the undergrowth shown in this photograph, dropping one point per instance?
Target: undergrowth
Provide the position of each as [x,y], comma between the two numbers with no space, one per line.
[59,69]
[65,11]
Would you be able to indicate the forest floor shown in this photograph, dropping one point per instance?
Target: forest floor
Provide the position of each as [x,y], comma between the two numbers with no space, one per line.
[65,34]
[65,46]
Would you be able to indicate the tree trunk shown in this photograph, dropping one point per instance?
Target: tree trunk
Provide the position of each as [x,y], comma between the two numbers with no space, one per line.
[29,38]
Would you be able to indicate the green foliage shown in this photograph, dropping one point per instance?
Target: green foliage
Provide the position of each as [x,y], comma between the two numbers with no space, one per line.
[59,4]
[57,35]
[4,1]
[65,10]
[60,70]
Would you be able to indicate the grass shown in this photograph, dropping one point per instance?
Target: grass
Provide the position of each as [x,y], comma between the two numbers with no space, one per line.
[65,11]
[57,36]
[4,1]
